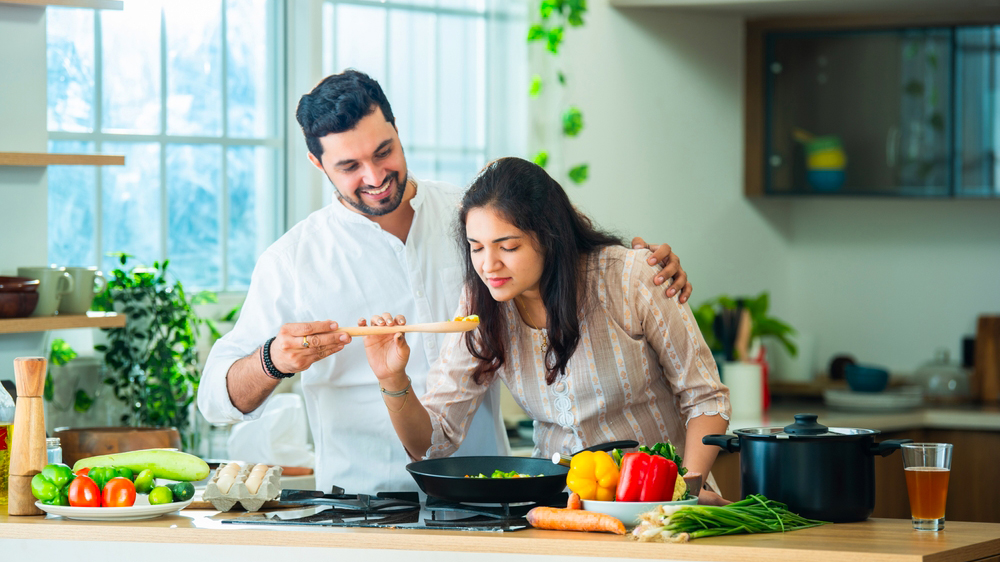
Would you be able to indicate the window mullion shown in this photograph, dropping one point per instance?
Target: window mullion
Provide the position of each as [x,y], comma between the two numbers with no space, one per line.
[224,191]
[164,200]
[98,146]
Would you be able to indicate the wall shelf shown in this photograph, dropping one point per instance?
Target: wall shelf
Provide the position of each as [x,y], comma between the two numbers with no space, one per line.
[97,4]
[50,159]
[43,323]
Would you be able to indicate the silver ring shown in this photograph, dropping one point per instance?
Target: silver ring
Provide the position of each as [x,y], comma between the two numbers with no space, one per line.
[305,342]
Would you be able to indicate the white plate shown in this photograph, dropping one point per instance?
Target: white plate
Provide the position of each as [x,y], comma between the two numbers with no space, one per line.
[141,510]
[901,398]
[629,512]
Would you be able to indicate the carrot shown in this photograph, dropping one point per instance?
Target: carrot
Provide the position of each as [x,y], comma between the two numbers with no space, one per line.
[574,501]
[559,519]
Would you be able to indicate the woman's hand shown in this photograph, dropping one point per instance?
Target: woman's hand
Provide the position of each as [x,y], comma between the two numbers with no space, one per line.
[708,497]
[388,353]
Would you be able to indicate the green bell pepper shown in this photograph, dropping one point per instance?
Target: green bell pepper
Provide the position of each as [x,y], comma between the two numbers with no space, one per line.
[101,474]
[51,485]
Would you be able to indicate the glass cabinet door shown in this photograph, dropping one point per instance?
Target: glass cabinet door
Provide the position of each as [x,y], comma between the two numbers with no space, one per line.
[977,135]
[860,112]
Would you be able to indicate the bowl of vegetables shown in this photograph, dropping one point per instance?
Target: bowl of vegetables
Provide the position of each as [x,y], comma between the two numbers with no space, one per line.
[626,485]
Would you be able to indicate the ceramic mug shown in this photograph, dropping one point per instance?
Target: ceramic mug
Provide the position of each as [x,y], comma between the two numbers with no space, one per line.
[88,282]
[53,283]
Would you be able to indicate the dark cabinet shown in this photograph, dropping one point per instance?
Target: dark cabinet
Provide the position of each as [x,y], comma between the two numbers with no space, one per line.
[885,109]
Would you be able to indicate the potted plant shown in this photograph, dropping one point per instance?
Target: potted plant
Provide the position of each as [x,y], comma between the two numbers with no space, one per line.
[762,325]
[152,363]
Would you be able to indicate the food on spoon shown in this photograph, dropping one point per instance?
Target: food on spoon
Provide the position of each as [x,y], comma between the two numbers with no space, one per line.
[469,318]
[560,519]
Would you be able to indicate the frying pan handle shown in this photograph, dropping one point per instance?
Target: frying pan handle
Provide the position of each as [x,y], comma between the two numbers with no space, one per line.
[612,445]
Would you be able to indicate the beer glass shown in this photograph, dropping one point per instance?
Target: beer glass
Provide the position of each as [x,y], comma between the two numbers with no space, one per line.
[927,467]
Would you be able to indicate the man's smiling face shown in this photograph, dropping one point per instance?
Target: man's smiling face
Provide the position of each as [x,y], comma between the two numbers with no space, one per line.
[366,165]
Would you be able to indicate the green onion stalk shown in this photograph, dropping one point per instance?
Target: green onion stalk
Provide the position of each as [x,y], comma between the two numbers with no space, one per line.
[755,514]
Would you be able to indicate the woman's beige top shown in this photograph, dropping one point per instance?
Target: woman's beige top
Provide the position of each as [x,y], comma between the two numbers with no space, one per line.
[640,371]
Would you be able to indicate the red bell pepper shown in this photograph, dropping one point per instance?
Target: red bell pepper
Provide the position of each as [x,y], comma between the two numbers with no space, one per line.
[646,478]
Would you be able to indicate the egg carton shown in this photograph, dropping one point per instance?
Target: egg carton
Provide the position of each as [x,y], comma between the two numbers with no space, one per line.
[270,488]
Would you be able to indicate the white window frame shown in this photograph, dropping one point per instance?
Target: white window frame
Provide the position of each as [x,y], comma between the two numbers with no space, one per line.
[278,53]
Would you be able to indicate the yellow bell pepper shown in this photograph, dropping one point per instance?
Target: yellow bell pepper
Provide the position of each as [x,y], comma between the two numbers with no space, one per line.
[593,475]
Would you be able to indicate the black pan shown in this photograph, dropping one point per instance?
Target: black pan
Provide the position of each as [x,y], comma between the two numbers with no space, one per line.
[445,477]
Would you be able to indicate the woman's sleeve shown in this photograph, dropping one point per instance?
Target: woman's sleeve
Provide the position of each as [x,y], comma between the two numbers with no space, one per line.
[671,330]
[452,397]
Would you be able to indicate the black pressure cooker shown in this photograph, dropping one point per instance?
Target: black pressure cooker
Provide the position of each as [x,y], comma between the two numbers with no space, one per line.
[825,473]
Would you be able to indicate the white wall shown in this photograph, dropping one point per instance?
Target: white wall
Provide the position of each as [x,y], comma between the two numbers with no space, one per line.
[23,190]
[885,280]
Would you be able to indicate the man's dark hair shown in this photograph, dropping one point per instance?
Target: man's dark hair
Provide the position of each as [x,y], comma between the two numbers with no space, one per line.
[527,197]
[337,104]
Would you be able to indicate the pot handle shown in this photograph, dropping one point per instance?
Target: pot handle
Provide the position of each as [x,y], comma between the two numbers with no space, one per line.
[626,444]
[886,447]
[730,443]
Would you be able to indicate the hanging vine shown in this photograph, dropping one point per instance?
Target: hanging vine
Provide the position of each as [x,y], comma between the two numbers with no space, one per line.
[555,16]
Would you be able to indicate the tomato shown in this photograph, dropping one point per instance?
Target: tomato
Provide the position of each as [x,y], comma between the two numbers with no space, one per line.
[83,492]
[85,471]
[118,492]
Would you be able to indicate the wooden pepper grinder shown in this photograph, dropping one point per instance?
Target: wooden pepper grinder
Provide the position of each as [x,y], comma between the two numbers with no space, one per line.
[27,447]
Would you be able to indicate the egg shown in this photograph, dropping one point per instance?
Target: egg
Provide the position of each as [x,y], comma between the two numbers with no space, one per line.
[225,482]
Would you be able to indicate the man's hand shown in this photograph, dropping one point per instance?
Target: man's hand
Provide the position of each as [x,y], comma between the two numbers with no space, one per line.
[298,345]
[663,255]
[388,353]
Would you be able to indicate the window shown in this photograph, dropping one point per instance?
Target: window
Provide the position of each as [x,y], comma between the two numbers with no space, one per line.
[189,91]
[455,72]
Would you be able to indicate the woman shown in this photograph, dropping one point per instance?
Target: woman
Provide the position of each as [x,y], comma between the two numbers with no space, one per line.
[573,325]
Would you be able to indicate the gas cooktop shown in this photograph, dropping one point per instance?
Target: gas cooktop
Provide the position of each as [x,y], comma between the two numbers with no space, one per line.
[394,510]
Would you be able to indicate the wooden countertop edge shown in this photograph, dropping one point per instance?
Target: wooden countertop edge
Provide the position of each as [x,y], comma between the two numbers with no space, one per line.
[885,534]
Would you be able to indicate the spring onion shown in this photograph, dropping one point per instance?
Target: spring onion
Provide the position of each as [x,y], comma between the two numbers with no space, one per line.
[755,514]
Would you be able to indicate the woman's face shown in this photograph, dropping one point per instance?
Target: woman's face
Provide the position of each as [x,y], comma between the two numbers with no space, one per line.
[506,258]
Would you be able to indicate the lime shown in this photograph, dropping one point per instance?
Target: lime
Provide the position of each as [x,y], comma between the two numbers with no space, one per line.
[160,495]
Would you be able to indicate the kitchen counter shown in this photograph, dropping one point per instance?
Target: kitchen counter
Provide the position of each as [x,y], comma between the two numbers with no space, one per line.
[194,535]
[975,418]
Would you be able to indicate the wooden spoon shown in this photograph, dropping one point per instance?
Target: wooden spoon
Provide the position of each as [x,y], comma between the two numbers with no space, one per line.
[434,327]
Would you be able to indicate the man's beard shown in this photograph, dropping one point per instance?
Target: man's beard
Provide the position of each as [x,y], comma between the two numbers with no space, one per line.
[385,207]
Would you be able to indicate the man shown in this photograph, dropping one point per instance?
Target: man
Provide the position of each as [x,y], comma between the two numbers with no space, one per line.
[386,244]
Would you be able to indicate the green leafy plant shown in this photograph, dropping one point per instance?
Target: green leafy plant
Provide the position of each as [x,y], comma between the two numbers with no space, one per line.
[763,325]
[152,363]
[554,17]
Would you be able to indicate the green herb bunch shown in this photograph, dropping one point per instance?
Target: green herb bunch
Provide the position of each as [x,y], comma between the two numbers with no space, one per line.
[152,363]
[762,323]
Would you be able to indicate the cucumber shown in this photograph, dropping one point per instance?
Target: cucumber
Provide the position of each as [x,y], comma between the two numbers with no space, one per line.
[164,463]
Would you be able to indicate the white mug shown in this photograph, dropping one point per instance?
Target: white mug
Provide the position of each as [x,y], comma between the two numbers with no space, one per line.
[746,391]
[89,282]
[53,283]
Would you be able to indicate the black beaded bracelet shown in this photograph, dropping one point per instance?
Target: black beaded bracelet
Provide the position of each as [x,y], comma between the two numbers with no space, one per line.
[269,368]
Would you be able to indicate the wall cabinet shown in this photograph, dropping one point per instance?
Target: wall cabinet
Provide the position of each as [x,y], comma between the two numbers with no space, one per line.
[884,107]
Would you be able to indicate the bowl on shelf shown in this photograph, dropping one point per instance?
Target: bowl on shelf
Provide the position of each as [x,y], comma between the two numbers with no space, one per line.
[18,296]
[866,378]
[629,512]
[18,284]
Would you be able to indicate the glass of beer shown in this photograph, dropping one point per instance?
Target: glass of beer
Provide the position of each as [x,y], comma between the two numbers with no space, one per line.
[927,467]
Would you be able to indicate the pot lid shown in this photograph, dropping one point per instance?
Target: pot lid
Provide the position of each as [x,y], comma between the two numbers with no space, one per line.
[805,426]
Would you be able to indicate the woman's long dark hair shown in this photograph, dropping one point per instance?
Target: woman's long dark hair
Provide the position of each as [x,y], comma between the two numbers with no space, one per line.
[527,197]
